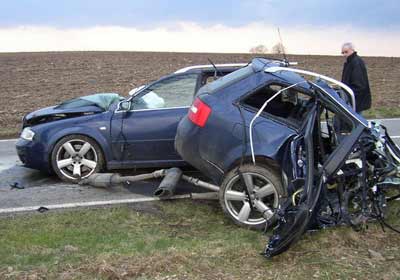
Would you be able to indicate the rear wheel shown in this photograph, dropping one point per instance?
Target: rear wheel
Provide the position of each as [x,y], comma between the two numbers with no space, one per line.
[76,157]
[266,190]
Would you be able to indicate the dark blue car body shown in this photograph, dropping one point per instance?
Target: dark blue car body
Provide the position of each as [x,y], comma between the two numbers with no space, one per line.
[218,147]
[289,152]
[129,139]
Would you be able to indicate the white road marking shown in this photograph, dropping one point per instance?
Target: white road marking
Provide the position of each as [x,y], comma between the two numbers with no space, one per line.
[389,119]
[8,140]
[87,204]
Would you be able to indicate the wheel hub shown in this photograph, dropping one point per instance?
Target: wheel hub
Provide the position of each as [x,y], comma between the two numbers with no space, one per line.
[77,158]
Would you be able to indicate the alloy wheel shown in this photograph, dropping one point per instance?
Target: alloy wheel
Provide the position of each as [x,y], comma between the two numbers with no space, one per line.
[76,158]
[263,193]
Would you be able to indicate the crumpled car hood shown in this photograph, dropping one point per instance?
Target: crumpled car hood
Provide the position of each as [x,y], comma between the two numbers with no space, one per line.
[86,105]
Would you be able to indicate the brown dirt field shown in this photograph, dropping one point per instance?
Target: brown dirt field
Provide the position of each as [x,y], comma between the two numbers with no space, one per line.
[29,81]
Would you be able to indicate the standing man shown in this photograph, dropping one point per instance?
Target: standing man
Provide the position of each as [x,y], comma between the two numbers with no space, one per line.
[355,76]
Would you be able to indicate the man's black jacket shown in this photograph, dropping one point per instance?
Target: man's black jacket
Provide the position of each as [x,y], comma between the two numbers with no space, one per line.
[355,76]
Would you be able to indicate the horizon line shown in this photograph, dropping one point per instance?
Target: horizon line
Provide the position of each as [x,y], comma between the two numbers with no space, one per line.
[191,52]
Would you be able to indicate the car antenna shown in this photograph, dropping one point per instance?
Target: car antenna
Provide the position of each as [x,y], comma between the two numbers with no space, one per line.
[283,48]
[216,69]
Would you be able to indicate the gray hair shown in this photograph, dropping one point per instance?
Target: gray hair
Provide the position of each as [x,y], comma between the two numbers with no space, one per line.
[348,45]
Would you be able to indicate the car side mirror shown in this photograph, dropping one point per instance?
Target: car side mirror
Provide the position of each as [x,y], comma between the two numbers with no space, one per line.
[124,106]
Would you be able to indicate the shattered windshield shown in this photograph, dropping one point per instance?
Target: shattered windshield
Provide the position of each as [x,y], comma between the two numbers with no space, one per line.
[101,100]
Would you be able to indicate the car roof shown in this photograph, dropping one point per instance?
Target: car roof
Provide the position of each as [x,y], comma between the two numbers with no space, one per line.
[199,68]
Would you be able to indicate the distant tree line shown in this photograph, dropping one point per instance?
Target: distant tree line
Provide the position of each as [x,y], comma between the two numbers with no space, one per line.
[278,48]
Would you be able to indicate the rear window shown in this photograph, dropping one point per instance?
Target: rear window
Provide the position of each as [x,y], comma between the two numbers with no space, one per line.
[211,76]
[227,80]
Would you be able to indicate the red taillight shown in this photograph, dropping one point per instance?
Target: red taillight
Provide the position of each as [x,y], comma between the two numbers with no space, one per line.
[199,112]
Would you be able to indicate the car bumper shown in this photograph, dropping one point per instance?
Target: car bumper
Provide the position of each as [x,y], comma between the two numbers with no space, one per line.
[187,146]
[32,155]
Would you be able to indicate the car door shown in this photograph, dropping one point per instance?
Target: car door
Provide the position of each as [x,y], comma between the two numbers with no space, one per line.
[295,219]
[147,131]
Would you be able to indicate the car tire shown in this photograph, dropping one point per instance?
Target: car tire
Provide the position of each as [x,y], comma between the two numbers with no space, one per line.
[76,157]
[268,191]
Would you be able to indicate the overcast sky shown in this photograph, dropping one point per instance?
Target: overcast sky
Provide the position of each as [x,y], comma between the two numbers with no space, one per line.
[309,26]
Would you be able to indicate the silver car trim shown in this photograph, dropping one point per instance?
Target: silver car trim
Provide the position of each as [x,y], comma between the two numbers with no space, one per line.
[156,109]
[183,70]
[259,113]
[341,105]
[323,77]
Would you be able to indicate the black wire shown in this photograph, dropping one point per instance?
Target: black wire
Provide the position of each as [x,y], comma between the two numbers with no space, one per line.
[382,225]
[364,194]
[393,197]
[320,142]
[363,178]
[389,226]
[382,221]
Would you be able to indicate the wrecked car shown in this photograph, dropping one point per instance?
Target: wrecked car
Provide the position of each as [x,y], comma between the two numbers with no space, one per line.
[85,135]
[289,151]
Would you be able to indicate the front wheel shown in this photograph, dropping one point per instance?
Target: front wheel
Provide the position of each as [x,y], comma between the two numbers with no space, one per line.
[76,157]
[266,190]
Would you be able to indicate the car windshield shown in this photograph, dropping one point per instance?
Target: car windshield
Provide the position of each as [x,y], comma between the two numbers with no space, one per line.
[101,100]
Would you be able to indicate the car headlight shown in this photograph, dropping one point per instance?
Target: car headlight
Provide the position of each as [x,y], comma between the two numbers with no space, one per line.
[27,134]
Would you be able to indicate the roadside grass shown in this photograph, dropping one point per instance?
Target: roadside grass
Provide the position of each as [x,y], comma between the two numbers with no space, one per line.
[382,112]
[183,240]
[9,132]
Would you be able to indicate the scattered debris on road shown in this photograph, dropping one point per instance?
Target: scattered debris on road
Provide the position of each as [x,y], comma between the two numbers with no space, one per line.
[16,185]
[43,209]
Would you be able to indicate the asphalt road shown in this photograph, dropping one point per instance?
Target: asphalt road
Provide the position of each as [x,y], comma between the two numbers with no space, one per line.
[48,191]
[42,190]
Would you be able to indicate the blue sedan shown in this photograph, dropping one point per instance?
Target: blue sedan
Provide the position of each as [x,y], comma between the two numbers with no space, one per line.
[106,131]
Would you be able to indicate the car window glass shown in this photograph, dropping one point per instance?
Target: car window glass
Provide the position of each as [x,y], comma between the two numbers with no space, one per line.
[211,76]
[291,105]
[227,80]
[211,79]
[177,91]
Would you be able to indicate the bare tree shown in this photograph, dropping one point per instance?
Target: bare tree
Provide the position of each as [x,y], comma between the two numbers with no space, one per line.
[278,48]
[259,49]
